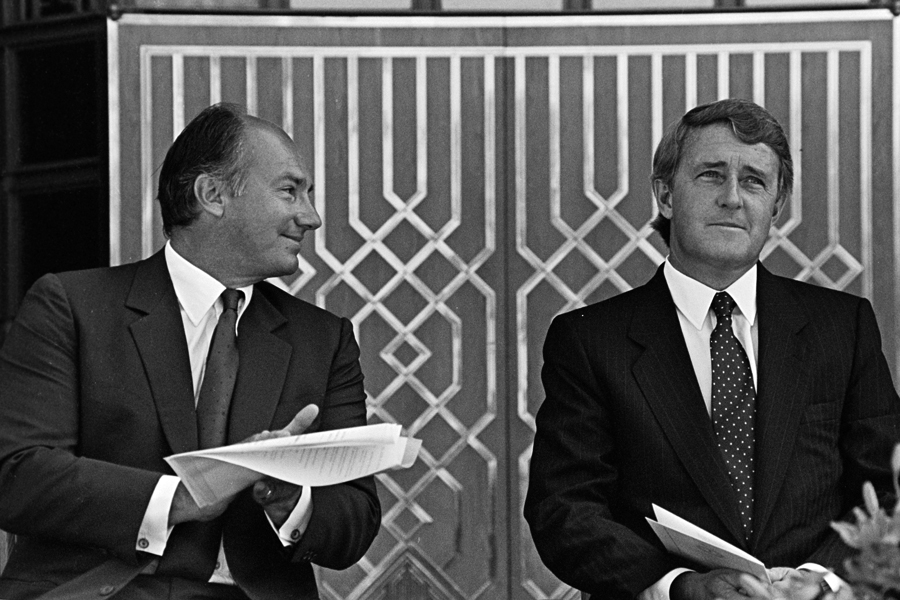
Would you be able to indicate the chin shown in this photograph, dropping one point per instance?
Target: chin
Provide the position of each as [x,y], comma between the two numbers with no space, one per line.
[289,265]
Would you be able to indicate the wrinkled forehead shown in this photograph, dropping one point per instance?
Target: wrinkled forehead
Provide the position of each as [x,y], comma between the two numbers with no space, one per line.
[718,142]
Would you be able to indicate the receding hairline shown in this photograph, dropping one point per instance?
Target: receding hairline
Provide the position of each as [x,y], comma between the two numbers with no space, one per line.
[259,125]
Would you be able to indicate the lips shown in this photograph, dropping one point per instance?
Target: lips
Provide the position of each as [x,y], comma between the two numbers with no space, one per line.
[297,240]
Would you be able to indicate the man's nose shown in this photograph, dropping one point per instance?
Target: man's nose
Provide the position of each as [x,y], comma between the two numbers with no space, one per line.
[730,196]
[307,216]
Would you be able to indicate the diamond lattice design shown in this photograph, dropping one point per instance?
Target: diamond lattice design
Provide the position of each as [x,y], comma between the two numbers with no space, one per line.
[410,269]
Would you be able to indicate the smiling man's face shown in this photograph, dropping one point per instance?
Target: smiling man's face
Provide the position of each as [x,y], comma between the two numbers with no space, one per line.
[265,224]
[722,202]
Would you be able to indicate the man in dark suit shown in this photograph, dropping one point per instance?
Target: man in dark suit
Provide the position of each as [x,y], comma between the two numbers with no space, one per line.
[751,405]
[104,373]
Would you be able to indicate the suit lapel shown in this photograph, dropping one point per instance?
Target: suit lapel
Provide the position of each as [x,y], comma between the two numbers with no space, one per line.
[666,377]
[159,337]
[263,367]
[781,391]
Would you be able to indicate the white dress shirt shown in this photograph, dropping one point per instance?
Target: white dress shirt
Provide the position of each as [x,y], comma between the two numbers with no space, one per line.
[200,303]
[693,302]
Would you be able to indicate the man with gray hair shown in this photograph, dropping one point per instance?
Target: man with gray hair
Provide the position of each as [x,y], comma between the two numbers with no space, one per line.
[106,372]
[751,405]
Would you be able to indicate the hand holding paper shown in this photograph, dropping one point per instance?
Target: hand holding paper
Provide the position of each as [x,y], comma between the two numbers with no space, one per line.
[686,539]
[314,459]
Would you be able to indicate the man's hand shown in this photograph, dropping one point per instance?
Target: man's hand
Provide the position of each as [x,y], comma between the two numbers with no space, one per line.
[795,585]
[185,509]
[791,584]
[720,584]
[277,497]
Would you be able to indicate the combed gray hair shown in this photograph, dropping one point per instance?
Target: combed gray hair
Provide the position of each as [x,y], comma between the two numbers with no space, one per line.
[751,123]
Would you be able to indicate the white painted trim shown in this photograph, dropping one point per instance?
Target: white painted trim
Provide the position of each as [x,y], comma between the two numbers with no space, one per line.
[177,95]
[690,80]
[450,21]
[146,91]
[759,78]
[723,65]
[866,124]
[656,99]
[115,150]
[215,79]
[251,83]
[245,51]
[895,155]
[287,95]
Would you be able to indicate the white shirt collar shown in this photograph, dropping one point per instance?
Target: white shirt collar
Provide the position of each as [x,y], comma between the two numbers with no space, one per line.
[693,298]
[196,289]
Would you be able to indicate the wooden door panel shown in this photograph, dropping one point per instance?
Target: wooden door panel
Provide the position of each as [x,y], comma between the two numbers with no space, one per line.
[479,175]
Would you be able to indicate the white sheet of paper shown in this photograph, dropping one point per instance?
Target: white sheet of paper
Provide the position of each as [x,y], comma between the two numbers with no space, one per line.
[685,539]
[315,459]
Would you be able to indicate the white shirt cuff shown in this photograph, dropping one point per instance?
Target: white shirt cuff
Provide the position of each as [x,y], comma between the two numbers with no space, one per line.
[296,523]
[660,589]
[155,530]
[833,581]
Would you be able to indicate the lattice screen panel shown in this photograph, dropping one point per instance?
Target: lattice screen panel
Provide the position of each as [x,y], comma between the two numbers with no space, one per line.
[477,176]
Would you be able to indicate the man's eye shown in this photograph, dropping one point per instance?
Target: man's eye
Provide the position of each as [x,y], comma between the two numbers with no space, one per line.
[755,181]
[711,175]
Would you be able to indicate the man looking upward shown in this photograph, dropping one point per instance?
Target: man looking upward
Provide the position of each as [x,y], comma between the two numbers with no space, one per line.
[751,405]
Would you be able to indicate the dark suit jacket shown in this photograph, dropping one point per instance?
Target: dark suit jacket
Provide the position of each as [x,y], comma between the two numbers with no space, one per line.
[624,425]
[95,390]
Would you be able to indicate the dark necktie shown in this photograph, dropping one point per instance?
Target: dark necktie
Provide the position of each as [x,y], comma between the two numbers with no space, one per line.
[220,375]
[733,405]
[193,547]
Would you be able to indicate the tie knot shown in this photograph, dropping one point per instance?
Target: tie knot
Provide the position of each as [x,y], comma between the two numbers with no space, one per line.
[722,305]
[231,298]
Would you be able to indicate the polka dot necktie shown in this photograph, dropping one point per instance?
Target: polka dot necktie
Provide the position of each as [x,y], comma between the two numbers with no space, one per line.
[733,405]
[220,375]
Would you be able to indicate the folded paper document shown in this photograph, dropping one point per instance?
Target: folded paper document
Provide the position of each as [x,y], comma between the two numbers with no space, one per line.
[313,459]
[686,539]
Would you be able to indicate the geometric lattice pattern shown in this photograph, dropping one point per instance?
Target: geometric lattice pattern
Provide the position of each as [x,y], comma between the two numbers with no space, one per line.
[477,176]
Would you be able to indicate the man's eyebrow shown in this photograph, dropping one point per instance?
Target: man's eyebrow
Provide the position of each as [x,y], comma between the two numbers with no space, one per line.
[762,173]
[718,164]
[295,179]
[711,164]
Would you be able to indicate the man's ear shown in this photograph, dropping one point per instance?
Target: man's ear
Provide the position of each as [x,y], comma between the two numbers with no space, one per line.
[210,193]
[780,202]
[663,195]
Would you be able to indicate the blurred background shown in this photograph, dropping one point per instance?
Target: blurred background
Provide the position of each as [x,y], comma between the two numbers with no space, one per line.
[480,166]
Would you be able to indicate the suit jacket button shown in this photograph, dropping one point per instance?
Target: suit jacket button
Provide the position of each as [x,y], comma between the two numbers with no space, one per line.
[106,590]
